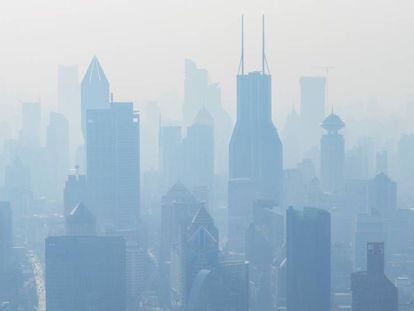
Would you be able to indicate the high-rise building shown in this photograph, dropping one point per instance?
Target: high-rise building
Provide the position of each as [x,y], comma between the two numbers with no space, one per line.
[200,250]
[80,221]
[113,165]
[371,289]
[57,145]
[94,91]
[255,150]
[85,273]
[312,109]
[69,103]
[74,192]
[170,155]
[199,93]
[198,153]
[308,259]
[382,195]
[370,227]
[224,288]
[332,154]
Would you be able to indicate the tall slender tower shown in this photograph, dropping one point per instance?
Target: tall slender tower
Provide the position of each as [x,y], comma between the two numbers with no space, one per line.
[332,154]
[255,154]
[94,91]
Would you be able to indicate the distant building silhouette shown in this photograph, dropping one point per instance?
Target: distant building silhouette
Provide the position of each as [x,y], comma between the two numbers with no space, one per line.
[263,241]
[255,150]
[85,273]
[371,289]
[382,195]
[224,288]
[80,221]
[308,260]
[94,91]
[199,93]
[74,192]
[332,154]
[113,169]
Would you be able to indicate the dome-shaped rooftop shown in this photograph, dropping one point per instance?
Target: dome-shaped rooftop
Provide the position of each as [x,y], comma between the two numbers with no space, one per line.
[332,123]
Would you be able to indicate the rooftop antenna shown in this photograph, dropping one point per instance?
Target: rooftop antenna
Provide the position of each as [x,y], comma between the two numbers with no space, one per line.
[241,65]
[265,66]
[112,97]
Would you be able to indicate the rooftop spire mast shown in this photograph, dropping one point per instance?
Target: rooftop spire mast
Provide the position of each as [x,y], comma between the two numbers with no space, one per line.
[265,66]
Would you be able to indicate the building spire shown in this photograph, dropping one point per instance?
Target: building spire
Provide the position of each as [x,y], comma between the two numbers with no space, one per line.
[241,65]
[265,66]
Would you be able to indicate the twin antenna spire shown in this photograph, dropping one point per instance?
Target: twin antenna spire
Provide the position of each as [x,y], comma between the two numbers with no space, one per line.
[265,65]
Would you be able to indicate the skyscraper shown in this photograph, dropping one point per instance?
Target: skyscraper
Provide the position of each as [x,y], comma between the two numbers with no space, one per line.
[382,195]
[371,289]
[199,93]
[224,288]
[113,167]
[94,91]
[312,108]
[255,148]
[308,260]
[80,221]
[85,273]
[74,192]
[332,154]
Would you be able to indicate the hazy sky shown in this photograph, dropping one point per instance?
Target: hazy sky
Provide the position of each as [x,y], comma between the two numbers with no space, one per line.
[142,45]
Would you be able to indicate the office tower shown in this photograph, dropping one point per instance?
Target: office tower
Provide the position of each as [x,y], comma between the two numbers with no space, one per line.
[74,192]
[369,228]
[31,125]
[170,155]
[308,259]
[382,195]
[263,242]
[371,289]
[332,154]
[200,250]
[199,93]
[113,165]
[80,221]
[6,238]
[69,103]
[312,109]
[94,91]
[85,273]
[57,145]
[224,288]
[255,150]
[178,208]
[198,153]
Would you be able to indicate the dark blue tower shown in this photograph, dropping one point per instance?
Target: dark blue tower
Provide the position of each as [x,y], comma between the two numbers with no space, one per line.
[255,153]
